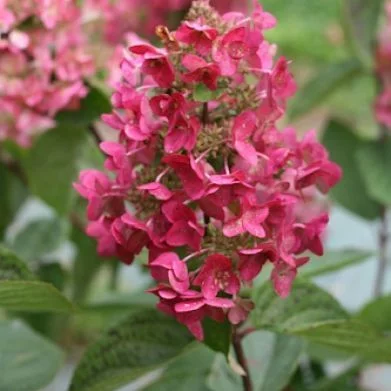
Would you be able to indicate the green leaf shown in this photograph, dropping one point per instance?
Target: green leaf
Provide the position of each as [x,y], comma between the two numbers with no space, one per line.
[51,165]
[38,238]
[13,193]
[343,145]
[377,313]
[107,311]
[28,362]
[333,261]
[313,314]
[281,364]
[361,21]
[142,342]
[374,161]
[92,107]
[217,335]
[86,264]
[351,336]
[307,41]
[272,360]
[53,273]
[378,351]
[188,372]
[309,373]
[32,296]
[346,381]
[307,306]
[92,156]
[12,268]
[203,94]
[321,86]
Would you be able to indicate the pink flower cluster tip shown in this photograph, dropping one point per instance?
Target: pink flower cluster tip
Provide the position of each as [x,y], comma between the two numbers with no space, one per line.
[124,16]
[383,67]
[200,175]
[42,65]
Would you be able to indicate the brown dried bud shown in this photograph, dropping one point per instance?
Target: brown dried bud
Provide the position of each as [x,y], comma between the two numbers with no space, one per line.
[168,39]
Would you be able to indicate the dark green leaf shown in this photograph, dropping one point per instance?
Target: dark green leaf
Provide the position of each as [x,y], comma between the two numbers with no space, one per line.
[52,164]
[92,156]
[86,264]
[361,22]
[326,353]
[378,351]
[307,374]
[307,306]
[272,359]
[323,85]
[38,238]
[374,161]
[188,372]
[346,381]
[315,315]
[12,268]
[377,313]
[217,335]
[142,342]
[92,107]
[333,261]
[28,362]
[353,336]
[32,296]
[53,273]
[343,145]
[350,336]
[12,195]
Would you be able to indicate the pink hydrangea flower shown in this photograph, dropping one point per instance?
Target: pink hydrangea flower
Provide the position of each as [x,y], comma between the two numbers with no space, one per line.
[197,34]
[168,267]
[200,71]
[37,82]
[155,63]
[211,188]
[382,104]
[217,275]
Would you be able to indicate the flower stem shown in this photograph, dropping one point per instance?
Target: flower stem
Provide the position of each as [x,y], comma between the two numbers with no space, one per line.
[239,352]
[382,243]
[205,113]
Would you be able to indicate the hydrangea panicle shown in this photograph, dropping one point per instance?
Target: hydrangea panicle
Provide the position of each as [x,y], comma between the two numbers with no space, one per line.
[43,64]
[200,175]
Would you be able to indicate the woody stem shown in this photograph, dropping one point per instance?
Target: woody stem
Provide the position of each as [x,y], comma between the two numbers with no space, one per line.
[205,113]
[383,236]
[95,134]
[382,264]
[240,356]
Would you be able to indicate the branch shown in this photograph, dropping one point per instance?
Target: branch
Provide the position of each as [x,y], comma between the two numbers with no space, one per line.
[243,333]
[15,168]
[95,134]
[383,229]
[382,244]
[239,352]
[205,113]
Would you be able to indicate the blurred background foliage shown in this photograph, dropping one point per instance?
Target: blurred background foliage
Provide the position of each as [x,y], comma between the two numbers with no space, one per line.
[43,225]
